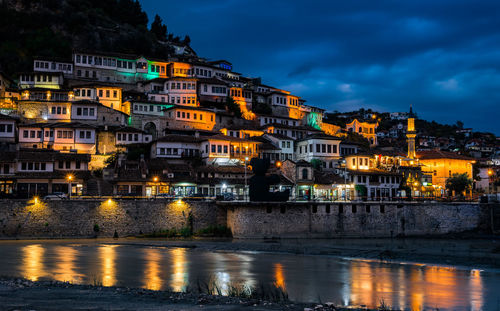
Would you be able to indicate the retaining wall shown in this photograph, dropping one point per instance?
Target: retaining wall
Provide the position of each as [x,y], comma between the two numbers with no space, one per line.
[301,220]
[78,218]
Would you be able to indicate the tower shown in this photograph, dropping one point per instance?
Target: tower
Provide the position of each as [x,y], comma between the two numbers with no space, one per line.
[411,134]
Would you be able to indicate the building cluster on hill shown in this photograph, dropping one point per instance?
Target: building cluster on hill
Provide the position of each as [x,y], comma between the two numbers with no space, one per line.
[114,124]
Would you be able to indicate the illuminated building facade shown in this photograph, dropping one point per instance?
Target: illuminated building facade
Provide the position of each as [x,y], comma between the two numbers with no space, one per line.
[366,129]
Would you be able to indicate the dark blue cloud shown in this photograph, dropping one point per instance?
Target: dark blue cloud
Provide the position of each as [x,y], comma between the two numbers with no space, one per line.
[441,56]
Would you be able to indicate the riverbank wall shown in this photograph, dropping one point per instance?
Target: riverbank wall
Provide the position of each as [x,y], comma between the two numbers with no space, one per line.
[102,218]
[338,220]
[108,218]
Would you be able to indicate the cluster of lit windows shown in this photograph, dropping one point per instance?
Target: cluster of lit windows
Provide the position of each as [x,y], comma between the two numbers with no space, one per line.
[67,165]
[280,100]
[285,144]
[127,137]
[235,92]
[85,111]
[32,134]
[347,150]
[53,66]
[203,72]
[182,71]
[83,92]
[187,116]
[33,166]
[183,99]
[182,86]
[293,101]
[107,93]
[65,134]
[6,128]
[282,121]
[157,68]
[361,161]
[219,90]
[85,134]
[319,148]
[124,64]
[37,77]
[58,110]
[95,60]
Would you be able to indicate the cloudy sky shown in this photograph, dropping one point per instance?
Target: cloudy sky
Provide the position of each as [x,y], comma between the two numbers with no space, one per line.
[441,56]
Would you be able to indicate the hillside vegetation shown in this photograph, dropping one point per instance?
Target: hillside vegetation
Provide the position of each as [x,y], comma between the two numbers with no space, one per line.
[53,28]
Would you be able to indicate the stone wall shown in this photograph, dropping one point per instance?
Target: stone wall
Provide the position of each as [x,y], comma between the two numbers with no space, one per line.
[268,220]
[78,218]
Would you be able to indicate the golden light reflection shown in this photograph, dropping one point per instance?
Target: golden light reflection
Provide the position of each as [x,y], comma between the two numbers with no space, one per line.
[32,268]
[413,287]
[152,279]
[476,290]
[179,277]
[279,276]
[107,257]
[65,266]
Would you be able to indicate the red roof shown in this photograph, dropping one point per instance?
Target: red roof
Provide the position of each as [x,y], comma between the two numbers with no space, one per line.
[440,154]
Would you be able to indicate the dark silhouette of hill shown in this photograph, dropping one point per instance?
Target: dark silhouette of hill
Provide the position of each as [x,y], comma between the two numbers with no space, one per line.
[53,28]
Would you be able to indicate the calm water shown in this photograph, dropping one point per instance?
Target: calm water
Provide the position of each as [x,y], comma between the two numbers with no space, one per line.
[305,278]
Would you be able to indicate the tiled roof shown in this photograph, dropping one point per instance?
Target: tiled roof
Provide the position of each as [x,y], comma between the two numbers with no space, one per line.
[440,154]
[179,138]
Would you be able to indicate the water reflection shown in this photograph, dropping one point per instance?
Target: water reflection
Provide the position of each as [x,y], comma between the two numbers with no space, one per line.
[418,286]
[152,278]
[65,266]
[351,282]
[279,276]
[179,277]
[107,257]
[32,268]
[476,290]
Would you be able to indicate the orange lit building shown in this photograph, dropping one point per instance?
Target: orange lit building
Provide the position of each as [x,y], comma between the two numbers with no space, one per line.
[367,129]
[443,164]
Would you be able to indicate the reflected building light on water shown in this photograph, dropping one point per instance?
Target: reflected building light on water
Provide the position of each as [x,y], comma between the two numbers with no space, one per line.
[152,278]
[32,266]
[416,291]
[279,276]
[107,256]
[180,273]
[476,290]
[65,265]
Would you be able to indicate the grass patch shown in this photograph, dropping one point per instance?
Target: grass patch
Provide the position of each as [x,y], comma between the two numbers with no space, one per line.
[215,231]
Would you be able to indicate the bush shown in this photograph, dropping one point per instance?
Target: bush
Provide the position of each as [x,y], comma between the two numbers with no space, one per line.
[216,231]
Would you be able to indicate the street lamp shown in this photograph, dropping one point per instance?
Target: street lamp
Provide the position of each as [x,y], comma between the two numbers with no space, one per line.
[245,189]
[278,164]
[70,178]
[345,179]
[155,179]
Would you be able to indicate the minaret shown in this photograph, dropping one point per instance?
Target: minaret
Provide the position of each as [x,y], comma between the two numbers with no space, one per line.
[410,135]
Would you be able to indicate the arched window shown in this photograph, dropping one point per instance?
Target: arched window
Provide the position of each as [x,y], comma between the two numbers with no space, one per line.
[305,173]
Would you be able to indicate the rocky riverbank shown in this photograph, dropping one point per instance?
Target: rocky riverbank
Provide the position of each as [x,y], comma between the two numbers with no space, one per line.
[22,294]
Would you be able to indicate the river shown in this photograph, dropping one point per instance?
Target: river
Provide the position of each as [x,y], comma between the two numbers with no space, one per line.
[305,278]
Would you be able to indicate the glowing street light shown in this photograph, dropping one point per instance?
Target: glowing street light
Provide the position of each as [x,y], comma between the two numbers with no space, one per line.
[278,164]
[70,179]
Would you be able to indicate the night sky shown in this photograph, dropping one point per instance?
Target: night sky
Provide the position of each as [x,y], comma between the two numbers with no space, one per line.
[441,56]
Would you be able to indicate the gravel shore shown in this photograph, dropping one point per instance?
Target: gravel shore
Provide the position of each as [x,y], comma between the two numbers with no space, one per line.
[22,294]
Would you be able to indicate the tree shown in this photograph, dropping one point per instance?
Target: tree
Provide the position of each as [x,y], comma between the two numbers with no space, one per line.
[233,107]
[261,108]
[158,28]
[460,124]
[187,40]
[458,183]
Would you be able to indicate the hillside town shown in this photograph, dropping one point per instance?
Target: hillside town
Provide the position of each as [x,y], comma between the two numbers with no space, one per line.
[108,124]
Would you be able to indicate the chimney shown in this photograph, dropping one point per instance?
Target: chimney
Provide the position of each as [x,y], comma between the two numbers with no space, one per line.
[197,134]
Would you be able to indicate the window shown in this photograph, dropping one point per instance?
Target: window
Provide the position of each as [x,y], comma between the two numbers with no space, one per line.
[305,173]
